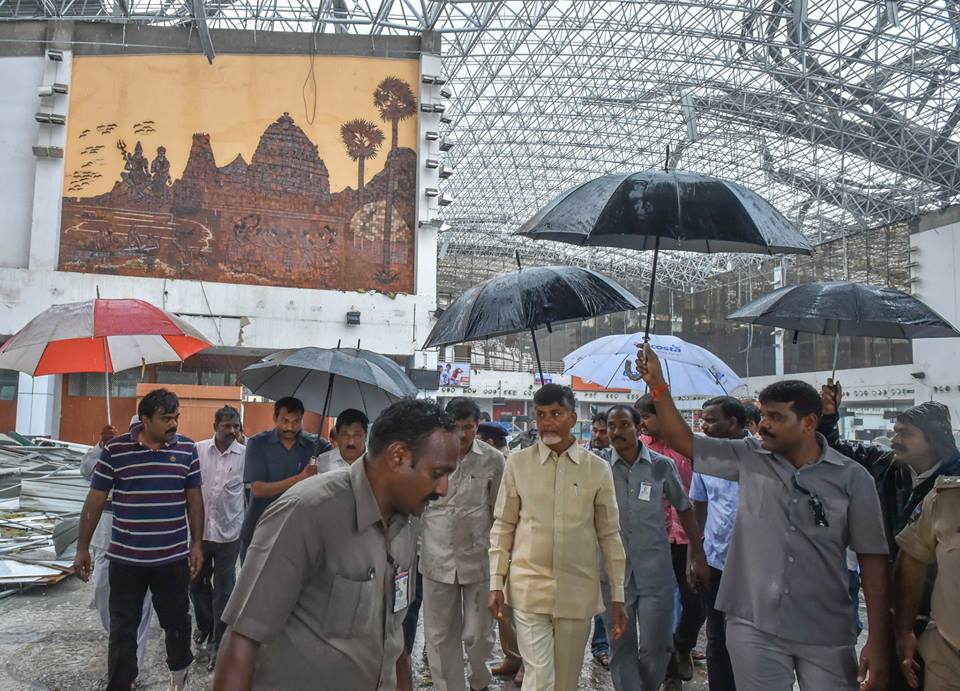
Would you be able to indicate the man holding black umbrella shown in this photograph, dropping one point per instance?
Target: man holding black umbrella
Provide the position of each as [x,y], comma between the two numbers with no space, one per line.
[277,460]
[801,504]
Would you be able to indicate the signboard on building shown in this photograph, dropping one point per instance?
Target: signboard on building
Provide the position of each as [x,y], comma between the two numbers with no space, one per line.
[455,374]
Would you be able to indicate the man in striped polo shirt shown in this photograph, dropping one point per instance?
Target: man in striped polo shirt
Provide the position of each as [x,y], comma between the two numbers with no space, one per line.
[154,474]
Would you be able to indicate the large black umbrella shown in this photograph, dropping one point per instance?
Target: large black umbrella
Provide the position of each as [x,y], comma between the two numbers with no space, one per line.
[527,299]
[666,209]
[842,308]
[320,377]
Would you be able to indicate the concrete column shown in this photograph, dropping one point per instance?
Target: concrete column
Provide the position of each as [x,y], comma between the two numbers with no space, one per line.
[38,405]
[48,179]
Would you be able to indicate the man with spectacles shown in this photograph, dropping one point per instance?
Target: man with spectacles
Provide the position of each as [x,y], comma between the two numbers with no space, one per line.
[801,504]
[455,537]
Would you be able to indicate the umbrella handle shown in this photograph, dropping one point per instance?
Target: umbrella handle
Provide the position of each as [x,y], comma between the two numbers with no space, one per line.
[629,372]
[653,282]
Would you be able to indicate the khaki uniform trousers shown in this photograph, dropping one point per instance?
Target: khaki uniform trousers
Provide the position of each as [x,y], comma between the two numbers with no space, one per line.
[941,662]
[455,616]
[552,650]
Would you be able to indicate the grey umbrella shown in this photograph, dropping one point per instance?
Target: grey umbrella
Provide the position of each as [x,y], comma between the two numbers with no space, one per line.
[843,308]
[321,377]
[666,209]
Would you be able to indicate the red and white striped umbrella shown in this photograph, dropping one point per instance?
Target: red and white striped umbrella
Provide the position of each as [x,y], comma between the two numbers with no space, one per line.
[99,335]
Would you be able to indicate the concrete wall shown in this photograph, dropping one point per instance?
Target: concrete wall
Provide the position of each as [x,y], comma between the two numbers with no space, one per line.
[233,315]
[935,250]
[20,77]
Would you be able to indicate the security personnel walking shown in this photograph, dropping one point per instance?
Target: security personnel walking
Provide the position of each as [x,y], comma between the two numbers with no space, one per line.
[321,598]
[932,536]
[455,533]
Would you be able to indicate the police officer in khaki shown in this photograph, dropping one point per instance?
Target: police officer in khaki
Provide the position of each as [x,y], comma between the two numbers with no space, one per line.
[455,537]
[321,597]
[933,535]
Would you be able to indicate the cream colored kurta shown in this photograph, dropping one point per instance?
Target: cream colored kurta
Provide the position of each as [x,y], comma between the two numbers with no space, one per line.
[550,515]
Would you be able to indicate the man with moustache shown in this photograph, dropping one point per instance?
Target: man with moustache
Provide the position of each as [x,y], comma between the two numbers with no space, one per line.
[556,505]
[350,431]
[784,590]
[643,480]
[321,598]
[692,613]
[275,461]
[100,544]
[923,450]
[154,476]
[221,466]
[455,536]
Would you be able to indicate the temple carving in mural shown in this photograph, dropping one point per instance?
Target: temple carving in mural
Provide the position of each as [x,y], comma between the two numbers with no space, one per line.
[272,220]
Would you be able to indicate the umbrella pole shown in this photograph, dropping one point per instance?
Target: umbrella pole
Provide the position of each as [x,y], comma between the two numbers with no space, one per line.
[106,380]
[653,282]
[326,407]
[536,352]
[533,332]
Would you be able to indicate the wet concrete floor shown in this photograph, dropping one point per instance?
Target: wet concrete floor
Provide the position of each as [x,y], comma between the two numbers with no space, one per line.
[52,639]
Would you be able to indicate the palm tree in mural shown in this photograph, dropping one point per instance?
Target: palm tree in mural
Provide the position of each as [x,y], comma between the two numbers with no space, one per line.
[394,98]
[363,140]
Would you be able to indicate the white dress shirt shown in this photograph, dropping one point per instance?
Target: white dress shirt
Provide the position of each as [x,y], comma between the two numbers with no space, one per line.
[222,475]
[331,460]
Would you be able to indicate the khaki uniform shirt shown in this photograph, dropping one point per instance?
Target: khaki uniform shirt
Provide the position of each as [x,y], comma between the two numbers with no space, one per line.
[551,512]
[455,529]
[933,535]
[785,573]
[317,587]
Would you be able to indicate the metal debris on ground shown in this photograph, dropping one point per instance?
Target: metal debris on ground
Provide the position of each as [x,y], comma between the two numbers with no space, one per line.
[41,495]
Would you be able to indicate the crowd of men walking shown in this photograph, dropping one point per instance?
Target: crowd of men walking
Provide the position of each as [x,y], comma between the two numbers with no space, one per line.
[765,526]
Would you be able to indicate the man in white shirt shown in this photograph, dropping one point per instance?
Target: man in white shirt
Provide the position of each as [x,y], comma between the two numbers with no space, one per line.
[350,431]
[221,467]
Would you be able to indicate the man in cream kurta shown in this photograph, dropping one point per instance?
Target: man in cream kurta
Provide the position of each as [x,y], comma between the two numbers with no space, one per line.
[556,504]
[455,537]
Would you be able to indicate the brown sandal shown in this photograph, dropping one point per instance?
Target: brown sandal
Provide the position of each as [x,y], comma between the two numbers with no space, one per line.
[602,659]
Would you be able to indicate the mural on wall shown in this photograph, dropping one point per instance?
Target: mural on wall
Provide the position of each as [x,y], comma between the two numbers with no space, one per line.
[242,171]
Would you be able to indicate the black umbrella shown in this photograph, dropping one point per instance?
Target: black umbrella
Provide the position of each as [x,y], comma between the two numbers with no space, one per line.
[665,209]
[841,308]
[351,377]
[527,299]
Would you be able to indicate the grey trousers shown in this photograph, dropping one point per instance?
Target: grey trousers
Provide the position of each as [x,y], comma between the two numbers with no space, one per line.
[763,662]
[455,616]
[638,661]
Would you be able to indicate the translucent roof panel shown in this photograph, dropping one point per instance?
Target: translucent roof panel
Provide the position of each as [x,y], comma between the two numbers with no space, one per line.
[843,113]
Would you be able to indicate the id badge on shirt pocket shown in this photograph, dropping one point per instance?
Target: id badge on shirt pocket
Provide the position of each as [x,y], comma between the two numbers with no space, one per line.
[646,489]
[401,590]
